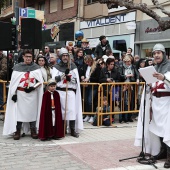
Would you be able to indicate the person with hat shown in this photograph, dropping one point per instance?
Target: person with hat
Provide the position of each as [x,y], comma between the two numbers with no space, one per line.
[85,47]
[51,124]
[101,48]
[24,98]
[68,86]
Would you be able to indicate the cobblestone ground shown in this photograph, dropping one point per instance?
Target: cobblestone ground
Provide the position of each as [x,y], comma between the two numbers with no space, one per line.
[96,148]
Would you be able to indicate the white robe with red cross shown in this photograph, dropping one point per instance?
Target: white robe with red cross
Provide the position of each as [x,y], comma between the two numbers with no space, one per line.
[73,105]
[28,105]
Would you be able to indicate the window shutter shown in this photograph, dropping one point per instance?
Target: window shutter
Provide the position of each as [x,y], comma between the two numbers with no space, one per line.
[68,4]
[53,6]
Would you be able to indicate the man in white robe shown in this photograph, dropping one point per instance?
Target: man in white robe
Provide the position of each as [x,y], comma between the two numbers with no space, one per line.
[66,75]
[24,97]
[159,125]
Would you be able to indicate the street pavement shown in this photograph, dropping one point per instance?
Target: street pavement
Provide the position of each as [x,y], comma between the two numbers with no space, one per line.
[97,148]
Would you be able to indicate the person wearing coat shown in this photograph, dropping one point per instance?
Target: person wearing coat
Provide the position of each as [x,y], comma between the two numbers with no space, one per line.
[101,48]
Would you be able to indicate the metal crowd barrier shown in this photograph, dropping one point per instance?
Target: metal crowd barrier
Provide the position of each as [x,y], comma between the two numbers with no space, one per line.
[122,97]
[118,94]
[3,92]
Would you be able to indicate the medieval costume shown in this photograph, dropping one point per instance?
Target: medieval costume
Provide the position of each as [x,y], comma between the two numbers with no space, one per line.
[71,88]
[27,105]
[160,108]
[51,124]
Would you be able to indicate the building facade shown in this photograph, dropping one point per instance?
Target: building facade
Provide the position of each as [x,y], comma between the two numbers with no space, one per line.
[148,32]
[118,25]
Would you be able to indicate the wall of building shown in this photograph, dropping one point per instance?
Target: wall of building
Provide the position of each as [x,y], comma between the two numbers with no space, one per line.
[152,7]
[148,34]
[60,14]
[115,28]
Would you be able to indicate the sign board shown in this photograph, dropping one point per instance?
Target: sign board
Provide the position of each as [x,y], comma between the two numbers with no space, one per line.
[110,20]
[93,42]
[23,12]
[30,13]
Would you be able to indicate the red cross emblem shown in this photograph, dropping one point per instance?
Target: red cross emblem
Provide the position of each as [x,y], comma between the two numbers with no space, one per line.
[27,79]
[65,81]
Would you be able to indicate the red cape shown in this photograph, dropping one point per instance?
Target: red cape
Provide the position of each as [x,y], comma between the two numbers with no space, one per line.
[46,126]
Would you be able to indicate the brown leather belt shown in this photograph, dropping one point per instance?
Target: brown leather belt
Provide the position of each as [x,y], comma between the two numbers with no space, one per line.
[20,88]
[64,89]
[161,94]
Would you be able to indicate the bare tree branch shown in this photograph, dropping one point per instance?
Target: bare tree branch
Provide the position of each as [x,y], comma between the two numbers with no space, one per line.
[159,6]
[129,4]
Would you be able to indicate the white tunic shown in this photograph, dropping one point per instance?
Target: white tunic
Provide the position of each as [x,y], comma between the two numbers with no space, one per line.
[28,105]
[160,124]
[74,104]
[151,141]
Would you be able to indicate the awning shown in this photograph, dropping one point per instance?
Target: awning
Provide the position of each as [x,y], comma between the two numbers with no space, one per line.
[152,41]
[150,44]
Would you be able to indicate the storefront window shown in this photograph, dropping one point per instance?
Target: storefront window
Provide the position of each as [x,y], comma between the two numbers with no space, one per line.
[148,53]
[91,1]
[167,52]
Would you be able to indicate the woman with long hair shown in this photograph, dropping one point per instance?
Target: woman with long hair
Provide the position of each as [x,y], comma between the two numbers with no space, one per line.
[45,69]
[91,74]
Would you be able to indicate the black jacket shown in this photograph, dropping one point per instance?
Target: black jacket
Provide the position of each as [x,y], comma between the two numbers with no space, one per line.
[104,74]
[134,72]
[94,77]
[99,51]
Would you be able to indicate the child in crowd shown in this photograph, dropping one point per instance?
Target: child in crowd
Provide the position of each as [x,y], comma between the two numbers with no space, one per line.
[51,124]
[104,109]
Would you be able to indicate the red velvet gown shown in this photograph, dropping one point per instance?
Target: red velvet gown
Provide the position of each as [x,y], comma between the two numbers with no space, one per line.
[46,129]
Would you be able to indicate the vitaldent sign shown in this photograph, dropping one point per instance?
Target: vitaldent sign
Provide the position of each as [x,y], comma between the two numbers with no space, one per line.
[108,20]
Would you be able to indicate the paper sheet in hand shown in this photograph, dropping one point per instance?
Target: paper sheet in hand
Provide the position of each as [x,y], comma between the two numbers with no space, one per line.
[147,74]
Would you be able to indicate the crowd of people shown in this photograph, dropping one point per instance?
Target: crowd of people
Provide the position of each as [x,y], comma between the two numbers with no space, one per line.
[55,108]
[98,66]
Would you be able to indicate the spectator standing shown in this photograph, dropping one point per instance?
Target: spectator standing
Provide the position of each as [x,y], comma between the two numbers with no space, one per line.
[136,59]
[101,63]
[91,74]
[3,75]
[149,62]
[85,47]
[57,54]
[45,69]
[109,73]
[23,104]
[52,60]
[128,73]
[79,61]
[101,48]
[129,51]
[47,53]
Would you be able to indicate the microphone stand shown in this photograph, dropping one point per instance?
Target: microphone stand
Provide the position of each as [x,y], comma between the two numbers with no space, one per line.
[141,158]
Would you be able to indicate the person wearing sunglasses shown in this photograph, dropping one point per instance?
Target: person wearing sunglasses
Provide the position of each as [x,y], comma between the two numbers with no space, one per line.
[47,53]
